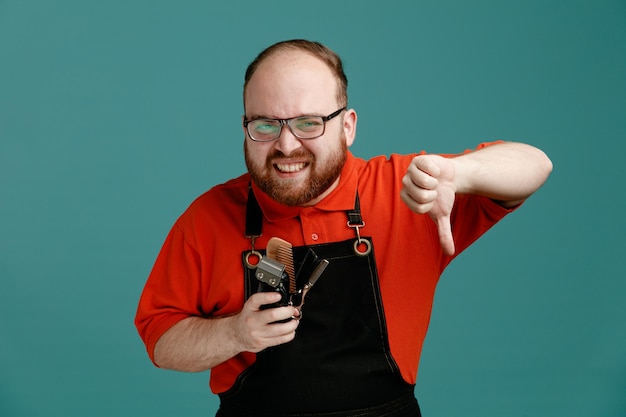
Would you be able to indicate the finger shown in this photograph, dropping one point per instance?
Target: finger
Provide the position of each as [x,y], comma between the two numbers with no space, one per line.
[417,177]
[262,298]
[269,327]
[281,339]
[280,314]
[445,235]
[418,200]
[280,331]
[419,208]
[428,165]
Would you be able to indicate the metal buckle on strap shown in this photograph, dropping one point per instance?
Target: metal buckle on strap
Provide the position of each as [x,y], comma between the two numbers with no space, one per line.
[253,254]
[356,221]
[359,242]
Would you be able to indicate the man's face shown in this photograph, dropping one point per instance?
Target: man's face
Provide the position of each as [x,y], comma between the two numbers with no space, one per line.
[296,171]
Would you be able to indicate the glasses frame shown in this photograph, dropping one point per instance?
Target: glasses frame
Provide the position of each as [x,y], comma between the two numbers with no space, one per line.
[287,122]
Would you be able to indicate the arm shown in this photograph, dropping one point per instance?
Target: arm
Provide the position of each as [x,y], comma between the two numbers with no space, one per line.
[196,344]
[508,173]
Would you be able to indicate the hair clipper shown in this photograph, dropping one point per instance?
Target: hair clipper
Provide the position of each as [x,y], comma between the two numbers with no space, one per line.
[272,277]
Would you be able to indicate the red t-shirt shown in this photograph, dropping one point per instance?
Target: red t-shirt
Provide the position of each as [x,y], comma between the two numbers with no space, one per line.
[199,270]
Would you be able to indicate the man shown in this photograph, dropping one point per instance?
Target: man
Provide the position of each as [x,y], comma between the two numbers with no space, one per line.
[383,229]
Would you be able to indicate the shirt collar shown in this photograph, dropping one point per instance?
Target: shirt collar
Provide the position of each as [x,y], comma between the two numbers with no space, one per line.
[340,199]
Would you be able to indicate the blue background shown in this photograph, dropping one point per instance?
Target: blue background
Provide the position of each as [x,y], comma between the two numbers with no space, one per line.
[115,115]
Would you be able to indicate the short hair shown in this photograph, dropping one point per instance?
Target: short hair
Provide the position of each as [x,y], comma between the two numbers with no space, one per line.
[316,49]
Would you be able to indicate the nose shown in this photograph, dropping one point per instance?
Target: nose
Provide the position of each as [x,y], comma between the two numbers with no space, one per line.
[287,142]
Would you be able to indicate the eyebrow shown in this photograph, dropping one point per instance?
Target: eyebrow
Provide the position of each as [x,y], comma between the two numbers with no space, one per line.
[257,117]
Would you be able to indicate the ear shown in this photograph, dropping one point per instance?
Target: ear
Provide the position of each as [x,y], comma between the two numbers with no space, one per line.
[349,126]
[245,134]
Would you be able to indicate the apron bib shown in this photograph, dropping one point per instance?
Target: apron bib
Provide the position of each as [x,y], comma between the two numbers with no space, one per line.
[339,363]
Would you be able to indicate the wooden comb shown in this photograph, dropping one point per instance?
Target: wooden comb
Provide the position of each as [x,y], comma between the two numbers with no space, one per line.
[280,250]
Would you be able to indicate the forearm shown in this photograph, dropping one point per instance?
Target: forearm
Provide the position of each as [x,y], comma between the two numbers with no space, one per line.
[197,344]
[508,172]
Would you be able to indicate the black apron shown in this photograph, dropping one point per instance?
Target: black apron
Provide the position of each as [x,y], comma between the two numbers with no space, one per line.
[339,363]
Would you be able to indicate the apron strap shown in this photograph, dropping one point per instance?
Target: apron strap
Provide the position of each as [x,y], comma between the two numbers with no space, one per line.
[354,215]
[254,216]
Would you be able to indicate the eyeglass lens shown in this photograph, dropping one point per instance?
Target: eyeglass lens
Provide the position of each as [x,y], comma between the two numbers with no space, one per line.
[302,127]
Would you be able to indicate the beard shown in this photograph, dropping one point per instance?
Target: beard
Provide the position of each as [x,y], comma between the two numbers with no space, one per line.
[295,192]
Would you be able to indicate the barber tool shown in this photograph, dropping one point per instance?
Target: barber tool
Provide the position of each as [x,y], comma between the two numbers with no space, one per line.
[281,251]
[310,269]
[272,277]
[317,272]
[275,272]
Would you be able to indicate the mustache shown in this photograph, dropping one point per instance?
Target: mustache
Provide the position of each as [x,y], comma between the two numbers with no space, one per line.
[298,153]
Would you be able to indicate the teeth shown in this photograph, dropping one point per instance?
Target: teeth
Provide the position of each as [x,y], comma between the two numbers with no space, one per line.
[290,167]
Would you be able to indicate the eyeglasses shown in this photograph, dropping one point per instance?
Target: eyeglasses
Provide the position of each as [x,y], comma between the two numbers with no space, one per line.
[302,127]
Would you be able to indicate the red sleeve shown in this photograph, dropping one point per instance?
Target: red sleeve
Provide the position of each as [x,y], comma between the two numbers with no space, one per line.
[472,216]
[167,298]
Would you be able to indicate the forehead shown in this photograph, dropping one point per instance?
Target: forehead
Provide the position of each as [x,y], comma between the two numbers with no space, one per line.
[291,83]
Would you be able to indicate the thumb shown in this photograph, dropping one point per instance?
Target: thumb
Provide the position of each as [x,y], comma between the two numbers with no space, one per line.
[445,234]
